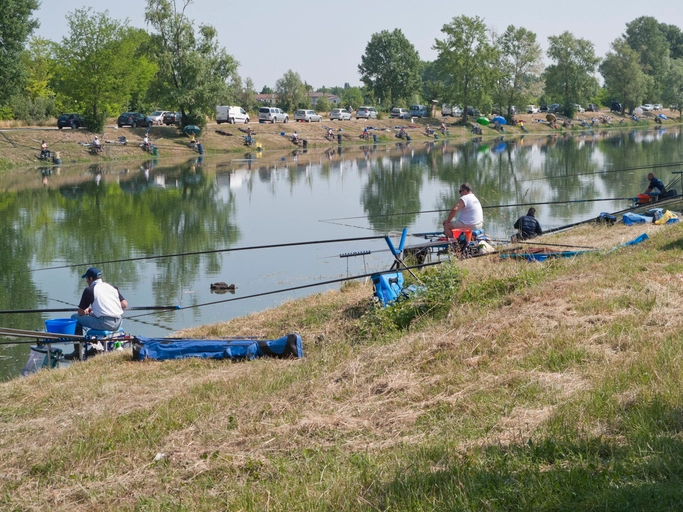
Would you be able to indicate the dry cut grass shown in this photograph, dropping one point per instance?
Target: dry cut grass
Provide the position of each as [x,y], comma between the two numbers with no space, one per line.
[498,369]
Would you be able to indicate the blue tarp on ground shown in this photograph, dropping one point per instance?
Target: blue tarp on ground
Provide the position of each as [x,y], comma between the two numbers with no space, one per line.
[633,218]
[161,349]
[542,256]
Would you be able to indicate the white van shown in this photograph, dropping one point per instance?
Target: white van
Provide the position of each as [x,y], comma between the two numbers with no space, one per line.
[231,114]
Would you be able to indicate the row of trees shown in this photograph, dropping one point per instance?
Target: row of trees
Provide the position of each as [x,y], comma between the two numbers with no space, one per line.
[476,66]
[105,66]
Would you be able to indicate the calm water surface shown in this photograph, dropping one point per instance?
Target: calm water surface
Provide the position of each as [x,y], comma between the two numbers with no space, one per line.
[72,217]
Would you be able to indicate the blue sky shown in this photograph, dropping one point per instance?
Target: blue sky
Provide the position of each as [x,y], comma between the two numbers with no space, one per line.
[323,40]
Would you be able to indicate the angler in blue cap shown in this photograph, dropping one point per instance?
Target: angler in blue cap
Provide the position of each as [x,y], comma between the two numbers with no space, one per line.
[101,305]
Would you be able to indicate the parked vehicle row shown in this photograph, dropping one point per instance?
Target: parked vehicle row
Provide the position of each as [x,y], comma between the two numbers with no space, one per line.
[72,121]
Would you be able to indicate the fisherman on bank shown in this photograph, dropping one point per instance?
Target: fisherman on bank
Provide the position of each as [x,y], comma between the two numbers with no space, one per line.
[470,213]
[528,226]
[101,306]
[655,188]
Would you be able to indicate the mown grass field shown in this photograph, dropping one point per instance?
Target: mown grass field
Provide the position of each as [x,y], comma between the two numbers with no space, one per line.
[506,386]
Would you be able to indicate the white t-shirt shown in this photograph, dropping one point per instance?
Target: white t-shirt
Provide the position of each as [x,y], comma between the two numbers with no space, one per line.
[472,213]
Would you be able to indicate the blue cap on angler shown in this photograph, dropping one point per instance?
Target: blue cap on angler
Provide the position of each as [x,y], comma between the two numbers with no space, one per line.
[92,272]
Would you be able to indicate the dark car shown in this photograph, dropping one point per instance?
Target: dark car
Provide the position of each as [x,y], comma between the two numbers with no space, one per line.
[543,108]
[133,119]
[615,106]
[554,108]
[473,112]
[72,121]
[171,118]
[592,107]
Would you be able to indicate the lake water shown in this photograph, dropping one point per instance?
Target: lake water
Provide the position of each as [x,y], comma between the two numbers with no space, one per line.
[55,222]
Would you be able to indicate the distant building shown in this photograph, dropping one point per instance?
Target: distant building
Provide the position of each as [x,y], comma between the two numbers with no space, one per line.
[268,99]
[315,96]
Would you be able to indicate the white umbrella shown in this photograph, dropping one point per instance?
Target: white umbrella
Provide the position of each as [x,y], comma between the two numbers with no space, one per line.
[638,111]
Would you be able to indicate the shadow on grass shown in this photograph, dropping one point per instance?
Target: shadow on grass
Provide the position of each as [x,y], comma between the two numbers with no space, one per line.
[643,473]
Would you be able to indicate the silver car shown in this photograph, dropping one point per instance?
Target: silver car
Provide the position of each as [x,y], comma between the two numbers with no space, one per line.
[310,116]
[366,113]
[156,117]
[272,115]
[340,114]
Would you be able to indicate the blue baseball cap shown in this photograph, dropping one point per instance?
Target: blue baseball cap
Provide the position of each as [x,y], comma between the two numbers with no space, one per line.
[92,272]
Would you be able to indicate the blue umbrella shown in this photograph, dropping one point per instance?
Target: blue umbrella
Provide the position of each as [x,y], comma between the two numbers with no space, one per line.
[499,147]
[499,120]
[661,116]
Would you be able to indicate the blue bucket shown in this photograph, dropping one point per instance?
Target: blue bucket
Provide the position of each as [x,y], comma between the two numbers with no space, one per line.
[61,326]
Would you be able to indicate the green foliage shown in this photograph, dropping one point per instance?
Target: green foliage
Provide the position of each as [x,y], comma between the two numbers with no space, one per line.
[519,79]
[672,92]
[291,92]
[645,37]
[390,67]
[352,96]
[623,75]
[99,64]
[570,78]
[249,96]
[16,25]
[95,121]
[38,62]
[194,74]
[466,62]
[438,289]
[30,109]
[323,104]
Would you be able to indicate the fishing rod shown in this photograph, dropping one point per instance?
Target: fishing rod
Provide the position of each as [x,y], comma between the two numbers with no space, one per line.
[663,201]
[66,310]
[605,171]
[213,251]
[302,287]
[513,205]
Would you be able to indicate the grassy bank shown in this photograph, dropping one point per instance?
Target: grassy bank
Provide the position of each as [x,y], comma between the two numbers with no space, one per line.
[507,386]
[19,146]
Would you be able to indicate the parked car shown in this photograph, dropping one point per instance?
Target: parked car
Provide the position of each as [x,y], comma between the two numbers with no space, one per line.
[308,116]
[503,111]
[615,106]
[231,114]
[171,118]
[578,108]
[592,107]
[451,110]
[554,108]
[647,107]
[133,119]
[72,121]
[272,115]
[418,111]
[340,114]
[473,112]
[657,106]
[543,108]
[157,117]
[531,109]
[366,113]
[400,113]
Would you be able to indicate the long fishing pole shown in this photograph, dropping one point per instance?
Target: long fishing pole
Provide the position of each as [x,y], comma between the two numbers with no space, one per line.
[513,205]
[213,251]
[605,171]
[65,310]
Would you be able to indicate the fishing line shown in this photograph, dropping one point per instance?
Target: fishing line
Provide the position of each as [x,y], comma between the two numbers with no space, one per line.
[213,251]
[301,287]
[514,205]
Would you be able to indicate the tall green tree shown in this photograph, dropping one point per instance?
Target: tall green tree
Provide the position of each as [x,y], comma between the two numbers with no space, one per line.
[194,72]
[390,67]
[623,76]
[672,93]
[645,36]
[16,25]
[37,99]
[352,96]
[249,96]
[520,68]
[100,65]
[291,91]
[571,76]
[466,59]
